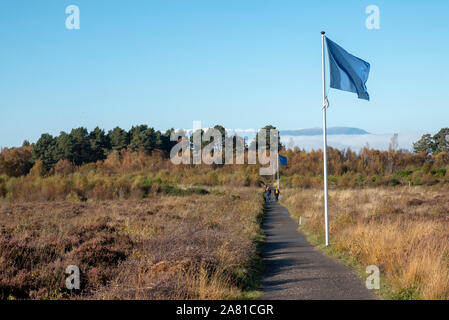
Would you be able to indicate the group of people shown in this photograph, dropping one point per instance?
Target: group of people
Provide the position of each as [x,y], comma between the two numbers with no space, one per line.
[268,191]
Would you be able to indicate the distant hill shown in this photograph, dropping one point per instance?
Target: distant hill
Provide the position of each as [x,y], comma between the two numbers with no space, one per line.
[319,131]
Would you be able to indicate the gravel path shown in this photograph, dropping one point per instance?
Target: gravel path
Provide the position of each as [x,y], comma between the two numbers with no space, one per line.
[296,271]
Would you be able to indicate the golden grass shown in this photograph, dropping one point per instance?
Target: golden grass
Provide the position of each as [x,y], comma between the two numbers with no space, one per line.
[404,231]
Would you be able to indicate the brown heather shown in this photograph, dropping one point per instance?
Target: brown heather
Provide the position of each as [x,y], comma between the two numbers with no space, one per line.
[402,230]
[195,246]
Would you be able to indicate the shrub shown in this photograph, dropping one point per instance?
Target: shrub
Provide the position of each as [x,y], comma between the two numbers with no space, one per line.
[212,179]
[38,170]
[296,179]
[404,173]
[3,179]
[333,179]
[439,173]
[15,162]
[141,186]
[197,191]
[64,168]
[427,167]
[172,190]
[394,182]
[122,187]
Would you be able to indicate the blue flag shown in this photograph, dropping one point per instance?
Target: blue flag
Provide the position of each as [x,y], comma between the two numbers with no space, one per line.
[283,160]
[347,72]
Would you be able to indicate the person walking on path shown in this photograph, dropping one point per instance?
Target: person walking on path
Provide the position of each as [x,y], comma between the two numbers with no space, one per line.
[268,193]
[277,193]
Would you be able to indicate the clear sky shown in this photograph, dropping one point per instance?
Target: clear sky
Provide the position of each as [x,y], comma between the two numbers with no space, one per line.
[239,63]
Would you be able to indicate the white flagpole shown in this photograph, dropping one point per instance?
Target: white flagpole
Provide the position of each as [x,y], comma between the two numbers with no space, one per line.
[278,168]
[326,217]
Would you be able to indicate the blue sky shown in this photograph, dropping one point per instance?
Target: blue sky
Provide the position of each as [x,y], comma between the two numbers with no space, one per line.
[242,64]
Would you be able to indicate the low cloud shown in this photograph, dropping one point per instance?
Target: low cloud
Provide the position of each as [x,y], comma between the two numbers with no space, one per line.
[355,142]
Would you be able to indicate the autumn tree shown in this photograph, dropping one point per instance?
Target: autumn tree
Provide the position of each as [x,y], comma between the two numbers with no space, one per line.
[16,162]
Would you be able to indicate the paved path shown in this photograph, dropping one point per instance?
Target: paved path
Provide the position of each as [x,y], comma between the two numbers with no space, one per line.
[295,270]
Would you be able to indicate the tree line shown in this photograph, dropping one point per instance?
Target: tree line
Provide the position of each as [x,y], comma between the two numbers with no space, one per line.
[81,146]
[432,145]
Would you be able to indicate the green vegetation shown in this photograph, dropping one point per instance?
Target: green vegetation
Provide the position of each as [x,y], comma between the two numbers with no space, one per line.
[433,144]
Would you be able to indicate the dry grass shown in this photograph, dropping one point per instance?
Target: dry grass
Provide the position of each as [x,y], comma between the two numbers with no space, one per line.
[404,231]
[198,246]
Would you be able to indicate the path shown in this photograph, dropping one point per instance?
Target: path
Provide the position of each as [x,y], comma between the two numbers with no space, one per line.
[295,270]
